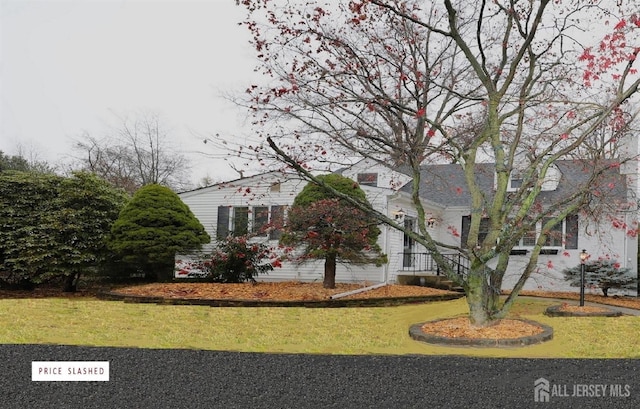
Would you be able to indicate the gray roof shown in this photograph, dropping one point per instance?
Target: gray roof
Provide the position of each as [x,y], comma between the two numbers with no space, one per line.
[446,184]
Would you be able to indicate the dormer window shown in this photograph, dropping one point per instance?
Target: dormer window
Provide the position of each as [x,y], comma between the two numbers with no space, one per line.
[515,180]
[368,179]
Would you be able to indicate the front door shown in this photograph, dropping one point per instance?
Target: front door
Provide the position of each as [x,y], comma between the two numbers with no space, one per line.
[408,244]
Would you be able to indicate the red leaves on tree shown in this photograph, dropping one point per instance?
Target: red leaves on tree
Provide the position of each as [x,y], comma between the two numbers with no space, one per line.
[612,51]
[618,223]
[453,231]
[332,226]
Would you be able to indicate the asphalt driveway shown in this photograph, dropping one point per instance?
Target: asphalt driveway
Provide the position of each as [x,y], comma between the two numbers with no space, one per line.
[145,378]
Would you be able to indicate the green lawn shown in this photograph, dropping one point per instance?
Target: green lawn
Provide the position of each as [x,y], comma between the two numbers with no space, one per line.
[295,330]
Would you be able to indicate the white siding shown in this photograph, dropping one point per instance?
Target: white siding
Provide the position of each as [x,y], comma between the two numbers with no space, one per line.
[258,191]
[387,178]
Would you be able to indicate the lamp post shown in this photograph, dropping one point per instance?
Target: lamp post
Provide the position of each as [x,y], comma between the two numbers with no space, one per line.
[583,258]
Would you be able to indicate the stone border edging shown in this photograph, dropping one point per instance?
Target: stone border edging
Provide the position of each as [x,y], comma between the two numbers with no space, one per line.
[338,303]
[415,332]
[555,311]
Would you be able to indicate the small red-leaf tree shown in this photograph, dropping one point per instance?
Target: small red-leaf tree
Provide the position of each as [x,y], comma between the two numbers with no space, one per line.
[321,226]
[520,84]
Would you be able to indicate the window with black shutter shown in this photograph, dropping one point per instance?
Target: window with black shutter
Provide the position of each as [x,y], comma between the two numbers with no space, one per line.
[260,219]
[240,221]
[554,236]
[485,224]
[571,236]
[277,222]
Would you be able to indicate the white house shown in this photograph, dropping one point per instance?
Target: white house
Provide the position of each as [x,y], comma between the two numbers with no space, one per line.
[245,205]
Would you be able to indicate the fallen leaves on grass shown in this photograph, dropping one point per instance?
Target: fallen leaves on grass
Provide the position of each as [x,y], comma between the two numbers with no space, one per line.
[461,328]
[276,291]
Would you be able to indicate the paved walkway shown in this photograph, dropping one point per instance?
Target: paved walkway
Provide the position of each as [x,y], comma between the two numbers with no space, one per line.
[144,378]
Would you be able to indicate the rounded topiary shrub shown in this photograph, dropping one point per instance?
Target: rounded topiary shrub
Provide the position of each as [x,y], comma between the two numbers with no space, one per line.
[152,228]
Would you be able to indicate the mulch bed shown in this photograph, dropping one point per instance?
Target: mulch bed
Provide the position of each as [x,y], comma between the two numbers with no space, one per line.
[584,309]
[280,291]
[461,328]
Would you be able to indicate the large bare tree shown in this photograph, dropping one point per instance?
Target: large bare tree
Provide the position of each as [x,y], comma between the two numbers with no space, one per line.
[136,152]
[518,84]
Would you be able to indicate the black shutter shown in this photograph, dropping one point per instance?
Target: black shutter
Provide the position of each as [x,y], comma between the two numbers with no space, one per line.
[464,235]
[571,239]
[222,229]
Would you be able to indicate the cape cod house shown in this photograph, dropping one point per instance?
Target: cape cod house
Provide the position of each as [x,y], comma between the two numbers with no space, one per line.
[245,205]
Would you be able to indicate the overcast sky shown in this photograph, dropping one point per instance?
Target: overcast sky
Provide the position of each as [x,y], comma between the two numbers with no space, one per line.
[67,66]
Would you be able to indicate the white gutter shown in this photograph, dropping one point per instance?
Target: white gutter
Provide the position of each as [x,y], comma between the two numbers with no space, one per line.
[357,291]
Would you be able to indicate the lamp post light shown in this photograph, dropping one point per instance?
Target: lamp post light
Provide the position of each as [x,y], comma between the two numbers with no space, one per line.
[583,258]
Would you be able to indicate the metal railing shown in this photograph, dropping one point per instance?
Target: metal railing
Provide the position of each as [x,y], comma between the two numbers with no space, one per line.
[459,263]
[417,262]
[424,262]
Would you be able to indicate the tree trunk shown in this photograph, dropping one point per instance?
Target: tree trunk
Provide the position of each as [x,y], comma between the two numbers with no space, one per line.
[71,283]
[483,302]
[329,271]
[164,272]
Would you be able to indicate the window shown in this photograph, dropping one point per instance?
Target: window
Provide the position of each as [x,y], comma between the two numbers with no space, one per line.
[240,221]
[408,258]
[236,221]
[277,221]
[222,226]
[485,224]
[554,237]
[529,238]
[260,219]
[515,183]
[515,180]
[571,232]
[561,231]
[368,179]
[565,232]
